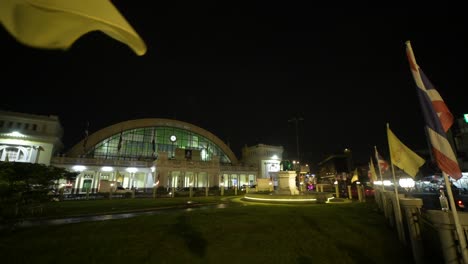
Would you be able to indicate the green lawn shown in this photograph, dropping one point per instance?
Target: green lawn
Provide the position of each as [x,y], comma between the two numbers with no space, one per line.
[249,233]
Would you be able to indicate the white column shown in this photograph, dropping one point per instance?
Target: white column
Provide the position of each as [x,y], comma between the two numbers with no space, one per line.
[96,178]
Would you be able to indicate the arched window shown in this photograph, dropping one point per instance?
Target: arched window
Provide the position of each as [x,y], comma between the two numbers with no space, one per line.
[13,153]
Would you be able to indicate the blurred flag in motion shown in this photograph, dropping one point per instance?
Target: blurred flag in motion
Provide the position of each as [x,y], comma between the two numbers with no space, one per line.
[403,157]
[437,117]
[57,24]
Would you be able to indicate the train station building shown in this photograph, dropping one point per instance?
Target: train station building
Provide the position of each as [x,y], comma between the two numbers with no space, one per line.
[139,154]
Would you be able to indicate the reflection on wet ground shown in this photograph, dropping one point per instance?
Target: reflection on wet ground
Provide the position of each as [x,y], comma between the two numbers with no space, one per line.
[80,219]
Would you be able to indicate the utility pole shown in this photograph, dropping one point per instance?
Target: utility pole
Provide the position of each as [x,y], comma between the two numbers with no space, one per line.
[296,121]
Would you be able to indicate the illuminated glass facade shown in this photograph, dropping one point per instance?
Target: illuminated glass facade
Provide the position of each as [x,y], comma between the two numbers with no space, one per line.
[144,144]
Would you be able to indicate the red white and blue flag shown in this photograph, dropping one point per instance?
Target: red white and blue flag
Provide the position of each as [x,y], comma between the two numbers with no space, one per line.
[437,117]
[383,164]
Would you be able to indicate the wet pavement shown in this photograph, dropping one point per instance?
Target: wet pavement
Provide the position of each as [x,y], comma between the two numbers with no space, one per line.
[94,218]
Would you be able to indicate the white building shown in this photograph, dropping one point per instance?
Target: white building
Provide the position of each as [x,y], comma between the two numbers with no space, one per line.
[460,136]
[29,138]
[142,153]
[266,158]
[137,153]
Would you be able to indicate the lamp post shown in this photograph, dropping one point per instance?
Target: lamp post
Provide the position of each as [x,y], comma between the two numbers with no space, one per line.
[359,191]
[337,192]
[207,184]
[110,191]
[296,121]
[172,187]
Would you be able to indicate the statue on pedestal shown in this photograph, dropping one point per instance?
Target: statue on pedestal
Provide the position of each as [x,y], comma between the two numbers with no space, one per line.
[286,165]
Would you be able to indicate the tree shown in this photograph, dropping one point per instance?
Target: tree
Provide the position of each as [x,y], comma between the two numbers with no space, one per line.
[25,184]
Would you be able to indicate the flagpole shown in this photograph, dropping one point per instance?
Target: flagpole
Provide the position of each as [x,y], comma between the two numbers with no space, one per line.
[378,165]
[438,122]
[382,197]
[456,220]
[85,141]
[399,225]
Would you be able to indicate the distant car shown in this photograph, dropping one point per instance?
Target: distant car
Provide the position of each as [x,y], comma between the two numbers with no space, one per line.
[121,189]
[431,199]
[368,191]
[243,187]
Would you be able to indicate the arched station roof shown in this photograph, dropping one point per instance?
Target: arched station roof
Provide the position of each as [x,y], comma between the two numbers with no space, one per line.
[133,139]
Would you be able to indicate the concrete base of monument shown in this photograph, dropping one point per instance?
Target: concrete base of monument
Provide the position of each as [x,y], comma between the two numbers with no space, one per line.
[287,192]
[273,197]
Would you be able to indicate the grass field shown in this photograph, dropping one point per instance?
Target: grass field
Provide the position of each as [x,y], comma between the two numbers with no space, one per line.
[238,233]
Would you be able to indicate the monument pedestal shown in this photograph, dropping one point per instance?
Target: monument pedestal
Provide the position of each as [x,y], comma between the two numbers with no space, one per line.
[287,183]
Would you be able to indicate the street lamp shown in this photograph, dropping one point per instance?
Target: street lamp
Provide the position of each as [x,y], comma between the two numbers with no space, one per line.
[406,183]
[296,121]
[190,190]
[337,192]
[110,191]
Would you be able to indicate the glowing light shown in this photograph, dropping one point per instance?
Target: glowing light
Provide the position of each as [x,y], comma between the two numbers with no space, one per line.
[385,183]
[16,134]
[280,199]
[153,169]
[107,168]
[406,182]
[79,168]
[132,170]
[274,157]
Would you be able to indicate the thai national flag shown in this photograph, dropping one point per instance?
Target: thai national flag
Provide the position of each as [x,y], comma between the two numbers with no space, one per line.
[437,117]
[383,164]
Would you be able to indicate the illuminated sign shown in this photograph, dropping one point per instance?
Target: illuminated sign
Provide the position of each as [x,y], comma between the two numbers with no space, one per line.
[466,118]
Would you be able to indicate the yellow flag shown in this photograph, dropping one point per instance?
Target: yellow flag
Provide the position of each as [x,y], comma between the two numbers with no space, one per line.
[373,175]
[403,157]
[57,24]
[355,176]
[118,177]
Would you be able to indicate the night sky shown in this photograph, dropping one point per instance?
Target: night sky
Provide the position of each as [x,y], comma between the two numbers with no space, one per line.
[242,71]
